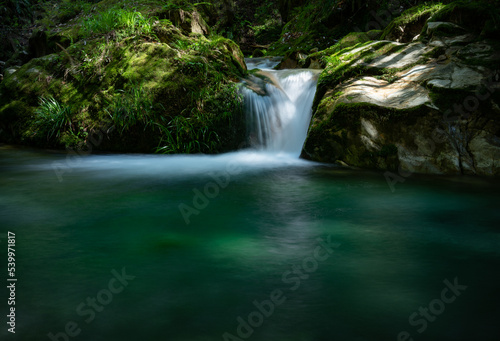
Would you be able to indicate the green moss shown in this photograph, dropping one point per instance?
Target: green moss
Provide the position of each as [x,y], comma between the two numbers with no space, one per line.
[336,129]
[12,111]
[307,29]
[143,84]
[353,39]
[374,34]
[344,64]
[414,16]
[472,15]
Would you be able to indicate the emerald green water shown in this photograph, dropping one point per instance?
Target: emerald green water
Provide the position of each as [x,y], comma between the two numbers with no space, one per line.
[192,281]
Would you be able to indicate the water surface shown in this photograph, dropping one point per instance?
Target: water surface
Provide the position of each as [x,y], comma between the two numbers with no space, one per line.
[192,281]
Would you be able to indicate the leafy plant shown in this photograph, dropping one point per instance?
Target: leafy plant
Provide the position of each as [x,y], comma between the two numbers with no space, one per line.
[124,21]
[181,135]
[132,107]
[52,117]
[184,5]
[12,11]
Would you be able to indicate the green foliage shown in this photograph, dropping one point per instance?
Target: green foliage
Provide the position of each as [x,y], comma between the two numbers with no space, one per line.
[208,126]
[411,15]
[93,63]
[13,12]
[132,107]
[181,44]
[52,117]
[474,15]
[308,27]
[184,135]
[185,5]
[62,11]
[266,23]
[185,84]
[125,22]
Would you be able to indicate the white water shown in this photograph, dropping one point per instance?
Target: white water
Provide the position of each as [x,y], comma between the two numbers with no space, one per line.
[278,125]
[262,63]
[172,167]
[278,122]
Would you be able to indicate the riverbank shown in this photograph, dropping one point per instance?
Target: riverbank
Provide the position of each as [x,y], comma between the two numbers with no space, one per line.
[416,94]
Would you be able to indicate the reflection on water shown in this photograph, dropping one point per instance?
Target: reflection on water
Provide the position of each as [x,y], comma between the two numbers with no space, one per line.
[192,281]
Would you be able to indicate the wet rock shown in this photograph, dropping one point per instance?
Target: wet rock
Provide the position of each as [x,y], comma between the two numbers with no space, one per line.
[441,28]
[291,60]
[189,22]
[428,106]
[38,44]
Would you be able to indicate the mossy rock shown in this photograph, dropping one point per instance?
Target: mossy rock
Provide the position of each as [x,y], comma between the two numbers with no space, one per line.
[14,117]
[361,134]
[410,23]
[150,88]
[472,15]
[353,38]
[13,111]
[258,53]
[341,64]
[374,34]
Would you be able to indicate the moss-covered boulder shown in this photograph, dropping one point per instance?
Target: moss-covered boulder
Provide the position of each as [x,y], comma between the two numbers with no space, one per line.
[431,106]
[410,23]
[139,80]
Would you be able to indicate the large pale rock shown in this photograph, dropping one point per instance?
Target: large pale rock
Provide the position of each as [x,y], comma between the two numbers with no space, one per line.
[423,107]
[189,22]
[457,77]
[408,56]
[398,95]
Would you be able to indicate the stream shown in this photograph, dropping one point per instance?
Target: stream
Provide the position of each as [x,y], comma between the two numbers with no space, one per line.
[252,245]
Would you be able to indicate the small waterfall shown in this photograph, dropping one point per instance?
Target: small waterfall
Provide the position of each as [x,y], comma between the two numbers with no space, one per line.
[279,109]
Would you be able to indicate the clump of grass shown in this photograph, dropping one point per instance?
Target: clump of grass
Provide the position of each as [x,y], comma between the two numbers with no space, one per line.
[411,15]
[52,117]
[122,21]
[132,107]
[206,128]
[183,135]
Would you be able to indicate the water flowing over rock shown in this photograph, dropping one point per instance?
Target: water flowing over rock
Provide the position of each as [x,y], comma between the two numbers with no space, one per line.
[278,106]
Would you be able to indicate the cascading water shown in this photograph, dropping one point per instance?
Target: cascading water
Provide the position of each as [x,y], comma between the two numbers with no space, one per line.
[279,112]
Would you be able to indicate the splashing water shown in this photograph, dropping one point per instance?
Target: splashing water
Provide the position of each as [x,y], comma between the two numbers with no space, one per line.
[278,119]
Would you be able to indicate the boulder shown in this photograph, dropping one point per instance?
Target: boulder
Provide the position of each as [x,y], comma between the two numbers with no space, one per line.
[189,22]
[291,60]
[429,106]
[410,23]
[258,81]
